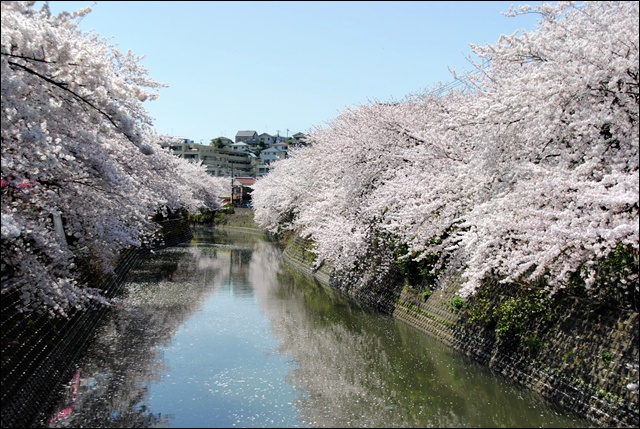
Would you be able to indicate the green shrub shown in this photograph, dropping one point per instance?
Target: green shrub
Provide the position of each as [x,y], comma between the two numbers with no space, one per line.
[456,303]
[515,315]
[220,218]
[202,216]
[426,294]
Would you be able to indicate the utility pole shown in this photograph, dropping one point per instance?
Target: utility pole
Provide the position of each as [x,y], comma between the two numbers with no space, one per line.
[232,202]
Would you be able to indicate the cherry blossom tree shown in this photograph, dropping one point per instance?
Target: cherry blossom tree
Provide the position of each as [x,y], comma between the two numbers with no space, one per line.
[560,110]
[525,170]
[83,172]
[354,185]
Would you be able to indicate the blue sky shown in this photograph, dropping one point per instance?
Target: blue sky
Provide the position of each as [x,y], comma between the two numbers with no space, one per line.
[287,67]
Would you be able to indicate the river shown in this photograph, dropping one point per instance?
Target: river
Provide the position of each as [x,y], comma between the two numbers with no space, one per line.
[221,332]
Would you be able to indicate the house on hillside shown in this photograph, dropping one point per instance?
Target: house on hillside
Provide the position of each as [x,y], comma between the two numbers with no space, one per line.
[248,137]
[263,169]
[241,189]
[272,154]
[281,146]
[266,139]
[240,146]
[299,139]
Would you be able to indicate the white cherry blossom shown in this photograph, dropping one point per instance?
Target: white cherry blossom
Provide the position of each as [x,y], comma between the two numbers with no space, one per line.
[77,143]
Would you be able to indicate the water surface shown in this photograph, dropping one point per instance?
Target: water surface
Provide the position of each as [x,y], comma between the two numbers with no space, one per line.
[220,332]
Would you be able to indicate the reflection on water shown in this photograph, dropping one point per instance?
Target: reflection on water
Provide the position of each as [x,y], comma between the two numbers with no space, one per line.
[222,333]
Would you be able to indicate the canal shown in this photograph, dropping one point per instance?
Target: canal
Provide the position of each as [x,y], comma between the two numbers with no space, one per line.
[221,332]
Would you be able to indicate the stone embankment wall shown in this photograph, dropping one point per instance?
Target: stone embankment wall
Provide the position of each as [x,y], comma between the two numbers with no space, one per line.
[39,354]
[580,356]
[582,360]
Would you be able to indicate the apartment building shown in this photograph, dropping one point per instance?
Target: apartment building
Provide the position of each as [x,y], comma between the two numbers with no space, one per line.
[218,161]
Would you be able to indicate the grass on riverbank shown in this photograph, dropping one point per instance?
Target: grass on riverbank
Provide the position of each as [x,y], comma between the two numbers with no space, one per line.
[240,218]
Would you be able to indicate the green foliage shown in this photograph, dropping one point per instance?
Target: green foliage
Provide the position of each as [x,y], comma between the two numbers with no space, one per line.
[202,216]
[481,308]
[515,315]
[219,218]
[420,268]
[456,303]
[417,272]
[426,294]
[617,277]
[533,343]
[217,143]
[606,357]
